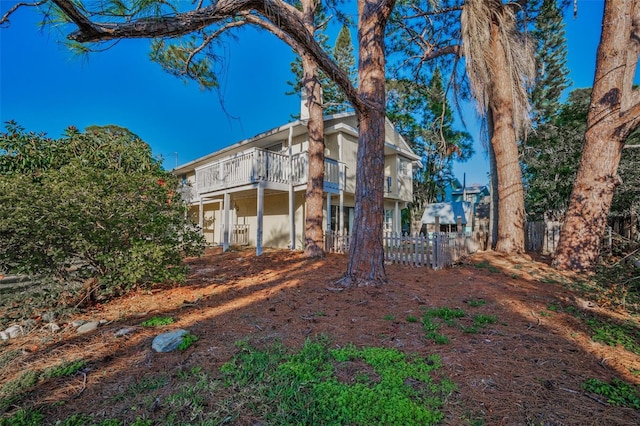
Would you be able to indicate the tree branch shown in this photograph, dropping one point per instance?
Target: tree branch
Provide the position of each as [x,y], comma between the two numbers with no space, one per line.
[208,40]
[5,17]
[278,12]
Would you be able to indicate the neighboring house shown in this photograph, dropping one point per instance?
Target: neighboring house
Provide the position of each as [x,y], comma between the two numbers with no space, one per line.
[253,192]
[470,203]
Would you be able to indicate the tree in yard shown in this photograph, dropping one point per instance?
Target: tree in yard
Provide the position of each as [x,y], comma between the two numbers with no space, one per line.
[614,113]
[551,158]
[550,154]
[551,60]
[98,200]
[99,22]
[422,115]
[500,66]
[322,96]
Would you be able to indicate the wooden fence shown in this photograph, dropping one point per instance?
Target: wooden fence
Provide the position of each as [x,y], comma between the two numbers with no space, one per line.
[434,250]
[542,237]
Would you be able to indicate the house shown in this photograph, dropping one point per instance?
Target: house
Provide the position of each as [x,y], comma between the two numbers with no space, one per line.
[470,203]
[448,215]
[253,192]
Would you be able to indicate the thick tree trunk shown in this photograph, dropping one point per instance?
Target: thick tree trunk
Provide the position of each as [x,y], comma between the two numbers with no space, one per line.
[315,182]
[366,255]
[510,211]
[614,113]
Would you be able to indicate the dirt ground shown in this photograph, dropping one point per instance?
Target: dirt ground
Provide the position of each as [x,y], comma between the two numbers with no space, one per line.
[525,369]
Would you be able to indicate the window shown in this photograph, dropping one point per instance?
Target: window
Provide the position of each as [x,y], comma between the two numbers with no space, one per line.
[404,168]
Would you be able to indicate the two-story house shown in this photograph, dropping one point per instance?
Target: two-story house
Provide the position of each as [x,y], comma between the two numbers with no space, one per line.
[253,192]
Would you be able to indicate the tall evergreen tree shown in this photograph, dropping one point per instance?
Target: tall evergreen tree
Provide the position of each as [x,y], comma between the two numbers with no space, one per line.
[550,154]
[551,59]
[423,116]
[333,98]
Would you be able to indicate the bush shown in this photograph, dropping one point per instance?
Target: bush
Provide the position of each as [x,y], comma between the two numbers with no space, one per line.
[95,203]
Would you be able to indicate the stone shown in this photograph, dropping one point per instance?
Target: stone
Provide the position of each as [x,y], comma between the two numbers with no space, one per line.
[77,323]
[14,331]
[53,327]
[169,341]
[124,332]
[88,326]
[4,336]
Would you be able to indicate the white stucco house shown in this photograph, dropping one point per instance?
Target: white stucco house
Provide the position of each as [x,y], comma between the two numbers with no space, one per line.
[253,192]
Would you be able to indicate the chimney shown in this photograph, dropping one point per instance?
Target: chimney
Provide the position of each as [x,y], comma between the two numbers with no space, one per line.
[304,107]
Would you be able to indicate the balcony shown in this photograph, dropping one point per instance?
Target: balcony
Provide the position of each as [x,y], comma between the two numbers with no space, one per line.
[256,165]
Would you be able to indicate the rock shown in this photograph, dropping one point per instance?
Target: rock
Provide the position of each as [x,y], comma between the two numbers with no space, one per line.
[88,326]
[167,342]
[4,336]
[53,327]
[78,323]
[14,331]
[124,332]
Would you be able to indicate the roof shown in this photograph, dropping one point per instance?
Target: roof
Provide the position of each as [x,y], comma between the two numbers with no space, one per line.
[447,212]
[299,127]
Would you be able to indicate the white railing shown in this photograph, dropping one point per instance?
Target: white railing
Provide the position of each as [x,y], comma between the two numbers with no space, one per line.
[259,165]
[435,250]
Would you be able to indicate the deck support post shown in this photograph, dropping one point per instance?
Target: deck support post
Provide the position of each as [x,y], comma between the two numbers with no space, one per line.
[260,218]
[292,217]
[225,222]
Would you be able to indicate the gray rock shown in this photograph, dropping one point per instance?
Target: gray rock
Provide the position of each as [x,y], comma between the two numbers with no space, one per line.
[124,332]
[14,331]
[53,327]
[4,336]
[88,326]
[77,323]
[167,342]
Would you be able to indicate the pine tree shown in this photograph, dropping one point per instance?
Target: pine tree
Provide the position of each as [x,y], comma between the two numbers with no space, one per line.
[544,173]
[551,58]
[333,99]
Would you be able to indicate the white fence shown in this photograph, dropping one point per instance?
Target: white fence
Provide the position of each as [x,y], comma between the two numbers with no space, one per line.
[434,250]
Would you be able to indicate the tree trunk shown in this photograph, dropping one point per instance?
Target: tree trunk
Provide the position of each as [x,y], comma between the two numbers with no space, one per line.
[315,182]
[510,212]
[614,113]
[366,255]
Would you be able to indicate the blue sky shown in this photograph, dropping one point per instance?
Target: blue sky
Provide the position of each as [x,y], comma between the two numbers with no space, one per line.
[44,87]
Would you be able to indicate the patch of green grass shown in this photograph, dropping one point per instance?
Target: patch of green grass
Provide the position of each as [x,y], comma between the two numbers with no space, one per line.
[187,341]
[411,318]
[617,392]
[613,334]
[22,417]
[474,303]
[64,369]
[389,318]
[318,385]
[26,381]
[157,322]
[486,265]
[553,307]
[448,315]
[8,356]
[482,320]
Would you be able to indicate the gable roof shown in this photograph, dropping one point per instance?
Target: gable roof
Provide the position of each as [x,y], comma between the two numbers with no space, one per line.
[447,212]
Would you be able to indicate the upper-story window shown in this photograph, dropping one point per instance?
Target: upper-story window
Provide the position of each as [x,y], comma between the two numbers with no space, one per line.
[404,168]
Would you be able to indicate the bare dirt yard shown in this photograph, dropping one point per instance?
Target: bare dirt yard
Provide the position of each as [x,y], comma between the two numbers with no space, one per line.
[525,368]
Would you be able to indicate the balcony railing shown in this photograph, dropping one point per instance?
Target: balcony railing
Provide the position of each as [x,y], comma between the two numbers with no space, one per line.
[259,165]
